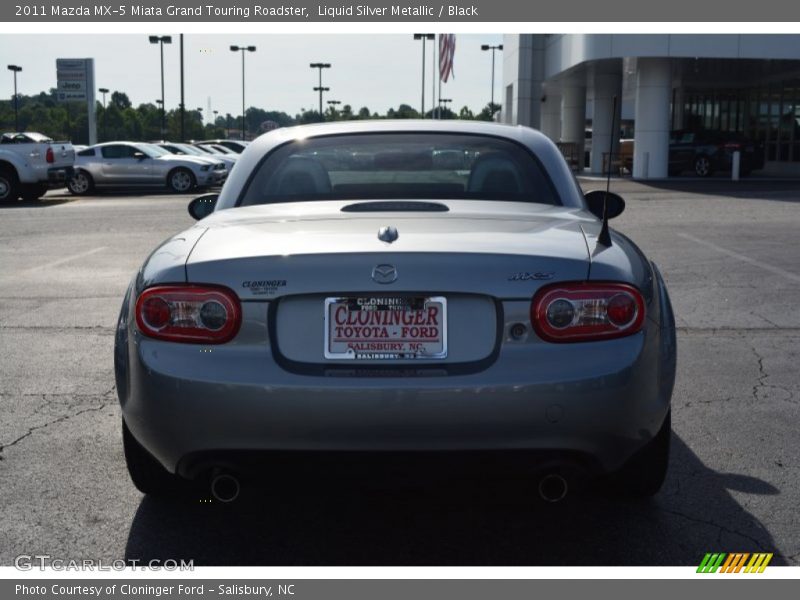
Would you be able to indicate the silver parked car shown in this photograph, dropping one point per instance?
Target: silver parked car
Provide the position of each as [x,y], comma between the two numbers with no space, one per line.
[236,146]
[229,160]
[189,150]
[129,164]
[351,290]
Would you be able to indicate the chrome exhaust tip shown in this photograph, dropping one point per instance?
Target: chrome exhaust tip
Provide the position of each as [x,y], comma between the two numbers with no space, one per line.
[553,488]
[225,487]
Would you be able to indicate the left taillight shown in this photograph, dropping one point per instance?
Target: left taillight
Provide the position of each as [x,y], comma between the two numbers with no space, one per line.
[50,156]
[193,314]
[584,311]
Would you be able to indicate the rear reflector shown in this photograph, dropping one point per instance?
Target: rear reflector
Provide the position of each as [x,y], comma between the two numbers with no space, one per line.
[194,314]
[584,311]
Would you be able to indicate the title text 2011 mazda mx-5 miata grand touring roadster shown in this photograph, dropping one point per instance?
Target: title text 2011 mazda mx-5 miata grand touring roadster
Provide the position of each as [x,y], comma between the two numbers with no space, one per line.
[424,288]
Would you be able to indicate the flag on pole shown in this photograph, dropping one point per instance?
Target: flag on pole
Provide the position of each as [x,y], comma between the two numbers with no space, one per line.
[447,49]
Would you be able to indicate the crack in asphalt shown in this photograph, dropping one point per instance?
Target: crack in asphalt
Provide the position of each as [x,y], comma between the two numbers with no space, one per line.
[721,528]
[762,374]
[53,422]
[761,383]
[60,419]
[689,403]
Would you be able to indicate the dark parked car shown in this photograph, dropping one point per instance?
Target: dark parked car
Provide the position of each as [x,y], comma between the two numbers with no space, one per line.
[707,151]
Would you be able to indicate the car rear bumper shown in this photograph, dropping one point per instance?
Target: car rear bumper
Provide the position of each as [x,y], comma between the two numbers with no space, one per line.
[188,404]
[59,175]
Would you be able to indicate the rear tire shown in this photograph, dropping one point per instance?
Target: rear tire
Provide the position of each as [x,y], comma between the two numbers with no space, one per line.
[181,181]
[81,184]
[645,472]
[9,185]
[146,472]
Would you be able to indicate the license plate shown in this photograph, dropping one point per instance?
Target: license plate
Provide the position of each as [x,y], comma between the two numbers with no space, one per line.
[386,328]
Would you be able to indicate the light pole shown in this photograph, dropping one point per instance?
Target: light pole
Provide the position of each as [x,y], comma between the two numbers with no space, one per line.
[161,104]
[485,47]
[243,50]
[16,69]
[183,105]
[319,88]
[423,37]
[104,91]
[444,101]
[161,40]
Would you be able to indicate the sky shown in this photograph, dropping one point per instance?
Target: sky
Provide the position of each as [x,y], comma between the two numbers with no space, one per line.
[378,71]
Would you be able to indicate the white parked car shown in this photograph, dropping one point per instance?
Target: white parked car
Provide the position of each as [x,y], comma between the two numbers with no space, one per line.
[30,163]
[126,164]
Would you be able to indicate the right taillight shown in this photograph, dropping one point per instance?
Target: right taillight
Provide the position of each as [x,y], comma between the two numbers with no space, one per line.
[587,311]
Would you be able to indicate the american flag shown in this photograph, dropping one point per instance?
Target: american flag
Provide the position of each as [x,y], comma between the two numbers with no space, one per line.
[447,48]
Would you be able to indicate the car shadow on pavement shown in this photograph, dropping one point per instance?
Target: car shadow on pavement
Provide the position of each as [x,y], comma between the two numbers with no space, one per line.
[466,523]
[40,203]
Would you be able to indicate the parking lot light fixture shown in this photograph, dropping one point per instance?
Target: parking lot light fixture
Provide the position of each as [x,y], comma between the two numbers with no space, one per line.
[161,40]
[243,50]
[487,47]
[15,69]
[319,88]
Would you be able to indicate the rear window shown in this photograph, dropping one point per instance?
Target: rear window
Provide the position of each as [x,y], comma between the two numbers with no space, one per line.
[400,166]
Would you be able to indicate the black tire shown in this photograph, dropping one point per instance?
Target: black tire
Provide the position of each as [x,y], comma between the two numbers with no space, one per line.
[146,472]
[9,185]
[34,191]
[703,166]
[81,184]
[181,180]
[644,473]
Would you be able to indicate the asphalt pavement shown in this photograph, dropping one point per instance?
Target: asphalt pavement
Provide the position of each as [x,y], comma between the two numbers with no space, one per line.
[730,256]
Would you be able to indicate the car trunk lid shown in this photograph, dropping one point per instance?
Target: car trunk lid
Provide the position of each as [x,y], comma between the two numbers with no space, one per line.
[500,249]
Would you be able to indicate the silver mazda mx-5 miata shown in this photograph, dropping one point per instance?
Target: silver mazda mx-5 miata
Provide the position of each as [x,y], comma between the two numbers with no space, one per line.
[422,288]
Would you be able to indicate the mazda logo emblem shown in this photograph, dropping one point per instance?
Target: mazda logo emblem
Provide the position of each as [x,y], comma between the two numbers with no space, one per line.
[384,274]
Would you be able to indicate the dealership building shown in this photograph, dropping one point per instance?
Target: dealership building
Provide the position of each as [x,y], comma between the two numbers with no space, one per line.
[741,85]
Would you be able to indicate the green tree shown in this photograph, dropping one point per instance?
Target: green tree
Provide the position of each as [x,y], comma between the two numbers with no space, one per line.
[466,114]
[120,100]
[487,112]
[404,111]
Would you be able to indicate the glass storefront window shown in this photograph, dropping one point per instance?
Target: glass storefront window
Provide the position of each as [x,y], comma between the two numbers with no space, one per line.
[768,114]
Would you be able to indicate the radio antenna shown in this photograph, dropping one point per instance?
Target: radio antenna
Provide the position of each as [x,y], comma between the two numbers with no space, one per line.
[604,237]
